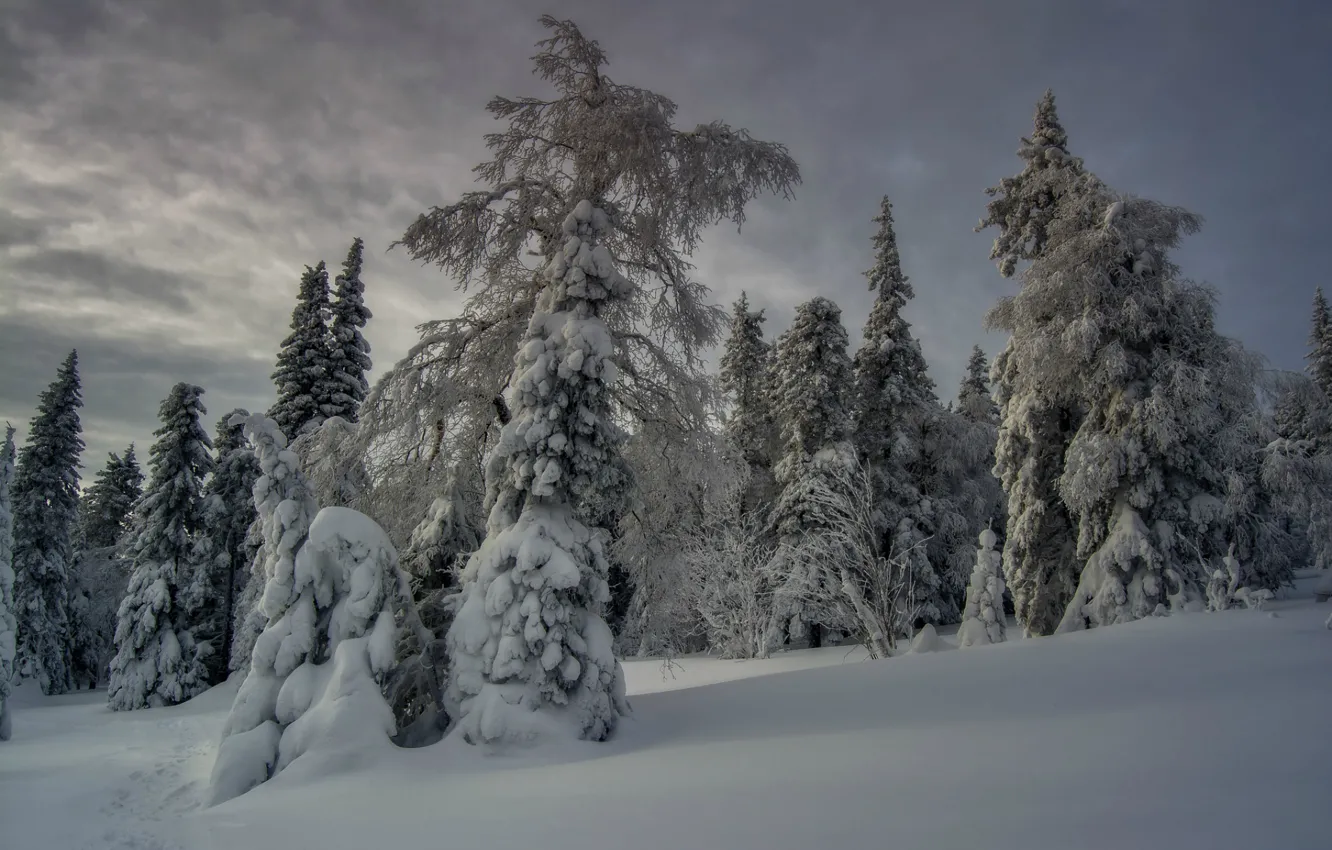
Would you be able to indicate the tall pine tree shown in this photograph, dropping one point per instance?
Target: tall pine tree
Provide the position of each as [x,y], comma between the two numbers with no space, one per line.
[304,375]
[226,549]
[745,364]
[812,397]
[350,351]
[8,625]
[1319,358]
[157,661]
[46,504]
[894,401]
[1040,559]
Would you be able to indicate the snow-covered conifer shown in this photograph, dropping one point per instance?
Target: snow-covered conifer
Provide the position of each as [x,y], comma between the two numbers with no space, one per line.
[8,624]
[157,661]
[1319,358]
[101,571]
[529,644]
[615,144]
[745,365]
[974,402]
[983,617]
[894,403]
[1035,427]
[812,407]
[312,694]
[444,540]
[351,353]
[225,550]
[304,374]
[45,504]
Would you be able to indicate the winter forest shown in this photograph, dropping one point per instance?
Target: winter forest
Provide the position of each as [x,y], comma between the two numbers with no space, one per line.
[593,465]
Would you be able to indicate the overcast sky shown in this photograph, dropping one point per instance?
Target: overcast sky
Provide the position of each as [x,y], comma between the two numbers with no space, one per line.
[167,166]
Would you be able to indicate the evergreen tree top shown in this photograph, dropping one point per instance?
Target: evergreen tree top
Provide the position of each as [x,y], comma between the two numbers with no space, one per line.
[109,502]
[231,433]
[170,510]
[1319,358]
[813,373]
[886,276]
[974,401]
[1048,132]
[48,463]
[1023,206]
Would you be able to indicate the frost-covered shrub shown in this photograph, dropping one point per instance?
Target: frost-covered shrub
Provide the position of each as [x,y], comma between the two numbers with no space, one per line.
[983,617]
[730,571]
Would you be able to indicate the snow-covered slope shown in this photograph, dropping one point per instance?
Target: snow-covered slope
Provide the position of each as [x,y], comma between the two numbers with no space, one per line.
[1201,730]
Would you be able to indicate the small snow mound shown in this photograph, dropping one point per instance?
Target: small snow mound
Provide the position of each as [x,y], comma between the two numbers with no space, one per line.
[926,640]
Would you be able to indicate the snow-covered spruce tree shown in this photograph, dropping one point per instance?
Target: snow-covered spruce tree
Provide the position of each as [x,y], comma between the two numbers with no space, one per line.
[983,618]
[8,624]
[529,645]
[614,144]
[1319,358]
[101,570]
[351,353]
[312,696]
[225,550]
[157,661]
[304,374]
[974,402]
[812,407]
[1135,349]
[45,503]
[984,499]
[745,365]
[1035,427]
[894,401]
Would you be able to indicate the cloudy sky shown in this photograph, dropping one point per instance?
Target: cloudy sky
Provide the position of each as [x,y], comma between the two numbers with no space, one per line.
[168,166]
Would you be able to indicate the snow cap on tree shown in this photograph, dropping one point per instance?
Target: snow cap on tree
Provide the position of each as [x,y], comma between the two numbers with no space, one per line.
[304,375]
[351,353]
[45,503]
[8,624]
[157,661]
[530,648]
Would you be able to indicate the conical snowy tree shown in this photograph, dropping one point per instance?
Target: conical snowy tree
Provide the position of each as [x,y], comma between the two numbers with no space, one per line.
[894,399]
[974,402]
[1104,325]
[312,695]
[304,376]
[1319,358]
[745,364]
[812,407]
[531,652]
[983,617]
[1040,558]
[443,541]
[351,353]
[157,661]
[8,624]
[224,552]
[45,503]
[101,571]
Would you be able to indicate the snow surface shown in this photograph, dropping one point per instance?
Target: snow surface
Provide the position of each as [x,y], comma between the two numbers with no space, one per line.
[1157,733]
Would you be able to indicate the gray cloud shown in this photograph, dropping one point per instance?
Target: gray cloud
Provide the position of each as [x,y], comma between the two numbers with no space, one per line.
[170,167]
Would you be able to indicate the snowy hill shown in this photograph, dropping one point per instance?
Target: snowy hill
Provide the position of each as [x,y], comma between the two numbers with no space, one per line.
[1200,730]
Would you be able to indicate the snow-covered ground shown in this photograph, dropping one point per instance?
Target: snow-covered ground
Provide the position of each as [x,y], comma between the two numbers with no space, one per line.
[1200,730]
